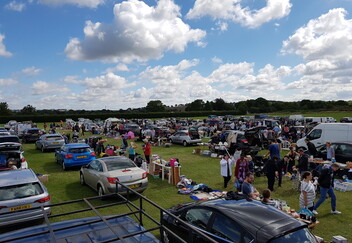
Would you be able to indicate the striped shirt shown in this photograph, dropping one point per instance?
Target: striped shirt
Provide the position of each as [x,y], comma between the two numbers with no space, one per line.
[309,188]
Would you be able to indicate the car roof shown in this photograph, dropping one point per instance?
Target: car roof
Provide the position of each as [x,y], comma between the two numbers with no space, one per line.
[263,221]
[77,145]
[52,135]
[16,177]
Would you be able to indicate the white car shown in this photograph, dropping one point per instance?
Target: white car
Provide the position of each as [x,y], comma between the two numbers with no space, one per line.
[101,175]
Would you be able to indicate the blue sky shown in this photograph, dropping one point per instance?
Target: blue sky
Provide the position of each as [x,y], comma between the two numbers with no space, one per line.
[96,54]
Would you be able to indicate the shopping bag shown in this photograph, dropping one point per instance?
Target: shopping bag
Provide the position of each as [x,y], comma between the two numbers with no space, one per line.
[306,212]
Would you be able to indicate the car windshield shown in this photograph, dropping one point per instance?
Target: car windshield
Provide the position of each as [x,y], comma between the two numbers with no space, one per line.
[51,138]
[33,131]
[302,235]
[9,139]
[20,191]
[119,164]
[79,150]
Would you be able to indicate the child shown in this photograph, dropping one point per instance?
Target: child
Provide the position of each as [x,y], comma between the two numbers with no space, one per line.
[295,178]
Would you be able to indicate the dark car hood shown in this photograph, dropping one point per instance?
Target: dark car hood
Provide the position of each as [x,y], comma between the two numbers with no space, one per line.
[9,146]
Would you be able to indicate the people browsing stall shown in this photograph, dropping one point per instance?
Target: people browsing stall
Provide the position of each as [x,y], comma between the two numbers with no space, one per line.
[326,183]
[307,196]
[292,154]
[274,149]
[247,187]
[132,151]
[240,172]
[250,163]
[311,147]
[330,152]
[226,165]
[302,162]
[271,170]
[146,150]
[282,166]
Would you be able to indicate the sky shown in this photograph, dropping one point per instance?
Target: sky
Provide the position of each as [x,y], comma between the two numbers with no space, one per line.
[106,54]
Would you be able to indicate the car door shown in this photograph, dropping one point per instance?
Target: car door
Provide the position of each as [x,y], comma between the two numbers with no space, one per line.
[60,153]
[198,217]
[224,229]
[90,172]
[176,138]
[343,153]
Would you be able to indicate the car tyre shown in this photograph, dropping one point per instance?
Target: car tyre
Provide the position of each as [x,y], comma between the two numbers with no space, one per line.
[43,149]
[185,144]
[166,238]
[81,179]
[100,191]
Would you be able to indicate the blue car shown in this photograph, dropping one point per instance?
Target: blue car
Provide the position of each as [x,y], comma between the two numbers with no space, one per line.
[74,154]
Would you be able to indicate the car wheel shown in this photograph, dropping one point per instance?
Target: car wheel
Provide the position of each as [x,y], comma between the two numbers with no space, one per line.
[81,179]
[185,143]
[100,191]
[35,146]
[165,238]
[43,149]
[63,165]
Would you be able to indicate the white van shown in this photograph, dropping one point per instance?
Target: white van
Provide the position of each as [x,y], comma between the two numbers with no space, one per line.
[320,119]
[328,132]
[296,117]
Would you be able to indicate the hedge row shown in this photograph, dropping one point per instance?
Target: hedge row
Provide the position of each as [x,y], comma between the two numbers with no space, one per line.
[103,116]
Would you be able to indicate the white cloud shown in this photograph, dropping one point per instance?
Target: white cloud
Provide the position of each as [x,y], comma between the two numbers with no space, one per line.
[3,51]
[232,10]
[108,81]
[216,60]
[119,67]
[7,81]
[41,88]
[138,32]
[325,44]
[72,79]
[15,6]
[79,3]
[31,71]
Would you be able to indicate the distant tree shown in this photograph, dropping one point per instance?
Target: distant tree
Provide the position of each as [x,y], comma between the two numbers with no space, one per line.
[208,106]
[341,103]
[155,106]
[4,109]
[197,105]
[28,109]
[219,105]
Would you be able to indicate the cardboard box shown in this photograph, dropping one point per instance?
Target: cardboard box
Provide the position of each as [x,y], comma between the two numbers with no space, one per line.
[43,178]
[339,239]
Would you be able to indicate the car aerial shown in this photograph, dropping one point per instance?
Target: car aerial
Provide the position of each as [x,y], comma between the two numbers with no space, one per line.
[30,135]
[102,174]
[21,197]
[186,138]
[236,221]
[49,141]
[74,154]
[10,151]
[343,151]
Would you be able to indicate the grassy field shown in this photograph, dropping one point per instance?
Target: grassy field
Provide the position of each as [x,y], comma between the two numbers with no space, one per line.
[64,185]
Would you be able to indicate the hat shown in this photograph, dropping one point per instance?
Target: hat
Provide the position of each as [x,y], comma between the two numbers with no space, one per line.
[145,140]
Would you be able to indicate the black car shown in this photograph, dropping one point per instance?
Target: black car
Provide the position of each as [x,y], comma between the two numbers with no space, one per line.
[343,151]
[255,137]
[236,221]
[31,135]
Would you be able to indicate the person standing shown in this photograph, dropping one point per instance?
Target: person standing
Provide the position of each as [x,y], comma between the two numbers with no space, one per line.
[282,165]
[226,165]
[132,151]
[271,169]
[274,149]
[307,196]
[326,183]
[146,150]
[302,162]
[330,152]
[311,147]
[248,188]
[240,172]
[292,158]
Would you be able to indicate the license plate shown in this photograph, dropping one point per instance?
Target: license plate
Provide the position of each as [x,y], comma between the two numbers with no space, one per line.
[134,186]
[56,142]
[81,157]
[20,207]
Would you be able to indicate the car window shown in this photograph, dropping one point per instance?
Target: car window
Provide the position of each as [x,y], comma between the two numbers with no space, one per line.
[119,164]
[315,134]
[93,165]
[198,217]
[99,167]
[52,138]
[9,139]
[303,236]
[227,229]
[20,191]
[79,150]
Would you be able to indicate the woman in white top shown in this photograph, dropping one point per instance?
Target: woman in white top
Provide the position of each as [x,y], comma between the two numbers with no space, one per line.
[307,196]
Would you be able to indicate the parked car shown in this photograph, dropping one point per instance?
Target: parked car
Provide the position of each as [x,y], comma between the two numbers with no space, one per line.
[4,131]
[30,135]
[74,154]
[236,221]
[9,139]
[102,174]
[49,141]
[186,138]
[346,119]
[10,151]
[19,190]
[132,127]
[343,151]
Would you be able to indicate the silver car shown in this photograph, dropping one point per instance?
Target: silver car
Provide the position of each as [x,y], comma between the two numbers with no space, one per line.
[49,141]
[19,190]
[185,138]
[102,174]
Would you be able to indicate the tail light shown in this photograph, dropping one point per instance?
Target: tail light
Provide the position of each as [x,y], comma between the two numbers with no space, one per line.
[244,141]
[187,133]
[43,200]
[1,207]
[126,170]
[23,160]
[112,180]
[68,156]
[46,139]
[92,153]
[144,175]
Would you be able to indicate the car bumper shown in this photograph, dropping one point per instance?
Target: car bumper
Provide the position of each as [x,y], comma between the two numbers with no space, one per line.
[71,163]
[23,216]
[138,186]
[194,141]
[53,146]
